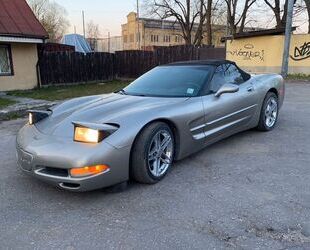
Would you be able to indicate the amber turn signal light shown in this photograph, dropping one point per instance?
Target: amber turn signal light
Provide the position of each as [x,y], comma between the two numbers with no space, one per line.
[88,171]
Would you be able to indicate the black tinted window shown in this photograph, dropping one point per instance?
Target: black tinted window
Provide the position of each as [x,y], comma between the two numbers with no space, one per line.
[226,73]
[174,81]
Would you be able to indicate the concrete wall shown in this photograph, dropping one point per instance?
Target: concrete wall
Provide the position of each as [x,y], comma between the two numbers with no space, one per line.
[264,53]
[24,57]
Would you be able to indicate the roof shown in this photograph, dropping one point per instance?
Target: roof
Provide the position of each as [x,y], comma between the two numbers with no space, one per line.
[266,32]
[18,20]
[201,62]
[79,42]
[170,24]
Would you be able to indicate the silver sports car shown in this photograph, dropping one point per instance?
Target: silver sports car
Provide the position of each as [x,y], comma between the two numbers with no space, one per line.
[138,132]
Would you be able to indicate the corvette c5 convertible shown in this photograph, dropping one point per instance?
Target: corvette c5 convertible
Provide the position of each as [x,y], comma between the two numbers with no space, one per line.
[165,115]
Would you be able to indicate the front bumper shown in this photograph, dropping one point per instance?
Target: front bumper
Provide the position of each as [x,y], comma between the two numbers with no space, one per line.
[49,159]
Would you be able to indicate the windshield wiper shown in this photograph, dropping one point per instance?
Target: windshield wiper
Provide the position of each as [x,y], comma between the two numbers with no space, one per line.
[122,92]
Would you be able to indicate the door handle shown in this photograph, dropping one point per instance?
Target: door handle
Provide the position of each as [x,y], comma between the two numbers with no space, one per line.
[250,89]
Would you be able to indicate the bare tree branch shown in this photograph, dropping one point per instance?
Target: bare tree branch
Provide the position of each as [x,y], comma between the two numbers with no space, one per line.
[237,16]
[191,15]
[52,16]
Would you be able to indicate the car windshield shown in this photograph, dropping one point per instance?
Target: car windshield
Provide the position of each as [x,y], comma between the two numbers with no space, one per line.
[170,81]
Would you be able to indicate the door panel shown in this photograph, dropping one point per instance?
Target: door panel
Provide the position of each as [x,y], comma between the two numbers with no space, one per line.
[230,112]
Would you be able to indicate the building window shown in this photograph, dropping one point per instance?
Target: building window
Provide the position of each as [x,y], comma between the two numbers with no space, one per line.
[154,38]
[5,61]
[125,39]
[178,39]
[167,39]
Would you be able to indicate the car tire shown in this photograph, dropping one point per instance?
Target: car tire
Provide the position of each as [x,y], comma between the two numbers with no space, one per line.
[269,113]
[152,153]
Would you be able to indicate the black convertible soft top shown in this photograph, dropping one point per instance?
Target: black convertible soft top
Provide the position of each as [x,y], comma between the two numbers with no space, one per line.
[215,62]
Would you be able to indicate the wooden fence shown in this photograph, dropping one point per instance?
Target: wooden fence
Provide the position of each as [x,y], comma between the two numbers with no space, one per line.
[131,64]
[71,67]
[68,67]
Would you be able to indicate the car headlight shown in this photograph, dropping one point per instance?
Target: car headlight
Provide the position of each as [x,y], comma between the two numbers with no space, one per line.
[31,119]
[92,132]
[87,135]
[35,116]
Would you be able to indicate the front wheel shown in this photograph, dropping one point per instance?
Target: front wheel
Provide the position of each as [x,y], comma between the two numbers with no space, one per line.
[152,153]
[269,112]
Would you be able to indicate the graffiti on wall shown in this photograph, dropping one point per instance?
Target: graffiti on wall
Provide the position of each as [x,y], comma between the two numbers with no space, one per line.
[302,52]
[248,52]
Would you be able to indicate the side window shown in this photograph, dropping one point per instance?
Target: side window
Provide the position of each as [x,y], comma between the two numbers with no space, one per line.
[225,73]
[217,80]
[232,74]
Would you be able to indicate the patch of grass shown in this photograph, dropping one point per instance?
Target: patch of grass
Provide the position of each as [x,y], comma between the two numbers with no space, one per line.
[303,77]
[5,102]
[54,93]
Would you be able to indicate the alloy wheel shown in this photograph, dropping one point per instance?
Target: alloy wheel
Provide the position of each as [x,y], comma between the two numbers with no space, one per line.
[271,112]
[160,153]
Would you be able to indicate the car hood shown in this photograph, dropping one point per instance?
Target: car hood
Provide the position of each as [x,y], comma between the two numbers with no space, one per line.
[111,108]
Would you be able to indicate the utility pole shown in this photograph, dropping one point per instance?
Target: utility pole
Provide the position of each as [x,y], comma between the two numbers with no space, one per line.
[287,41]
[138,18]
[83,23]
[109,42]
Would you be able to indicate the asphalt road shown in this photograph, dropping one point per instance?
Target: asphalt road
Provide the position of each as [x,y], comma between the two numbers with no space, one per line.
[251,191]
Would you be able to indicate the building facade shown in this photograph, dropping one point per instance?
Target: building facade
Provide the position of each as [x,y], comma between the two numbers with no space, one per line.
[18,46]
[18,62]
[146,33]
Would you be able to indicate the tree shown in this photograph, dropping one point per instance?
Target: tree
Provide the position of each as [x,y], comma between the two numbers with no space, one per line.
[192,16]
[275,6]
[307,2]
[92,34]
[52,16]
[219,17]
[209,22]
[279,9]
[236,21]
[92,30]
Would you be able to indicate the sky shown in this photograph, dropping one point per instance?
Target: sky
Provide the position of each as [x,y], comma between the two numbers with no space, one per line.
[109,15]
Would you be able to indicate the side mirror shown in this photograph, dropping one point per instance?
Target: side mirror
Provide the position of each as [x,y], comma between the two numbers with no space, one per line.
[227,88]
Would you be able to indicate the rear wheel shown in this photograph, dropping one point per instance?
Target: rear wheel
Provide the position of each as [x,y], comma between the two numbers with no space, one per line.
[269,112]
[153,153]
